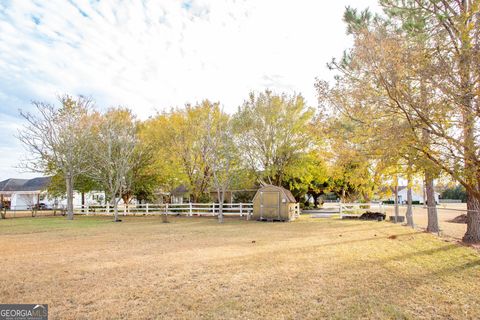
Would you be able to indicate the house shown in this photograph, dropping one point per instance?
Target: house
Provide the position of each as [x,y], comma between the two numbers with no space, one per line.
[23,194]
[417,197]
[180,195]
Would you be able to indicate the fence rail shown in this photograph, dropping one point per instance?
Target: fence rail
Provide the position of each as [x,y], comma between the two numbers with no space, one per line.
[189,209]
[357,209]
[449,201]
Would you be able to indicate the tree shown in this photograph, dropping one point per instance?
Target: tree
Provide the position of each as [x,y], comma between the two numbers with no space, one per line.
[273,132]
[457,193]
[114,154]
[221,155]
[388,59]
[59,140]
[144,178]
[359,136]
[159,135]
[307,175]
[450,70]
[180,139]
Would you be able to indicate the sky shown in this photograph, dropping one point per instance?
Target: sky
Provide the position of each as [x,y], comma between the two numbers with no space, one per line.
[153,55]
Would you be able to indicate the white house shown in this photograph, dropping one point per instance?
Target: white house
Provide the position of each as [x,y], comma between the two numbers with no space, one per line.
[416,196]
[23,194]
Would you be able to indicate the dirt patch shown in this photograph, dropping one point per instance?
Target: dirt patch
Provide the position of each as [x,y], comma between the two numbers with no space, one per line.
[460,219]
[378,216]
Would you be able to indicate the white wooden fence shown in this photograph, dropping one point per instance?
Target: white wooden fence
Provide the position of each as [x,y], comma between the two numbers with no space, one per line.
[188,209]
[449,201]
[357,209]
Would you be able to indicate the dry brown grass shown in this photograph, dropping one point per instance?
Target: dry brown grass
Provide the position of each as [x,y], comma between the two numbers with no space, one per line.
[445,214]
[92,268]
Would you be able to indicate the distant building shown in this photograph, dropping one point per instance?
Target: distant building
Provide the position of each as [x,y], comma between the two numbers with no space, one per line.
[180,195]
[416,196]
[23,194]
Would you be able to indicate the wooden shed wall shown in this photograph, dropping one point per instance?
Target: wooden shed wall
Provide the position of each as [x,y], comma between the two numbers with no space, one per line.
[276,204]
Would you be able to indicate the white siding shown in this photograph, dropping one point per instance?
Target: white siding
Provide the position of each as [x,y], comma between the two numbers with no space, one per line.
[22,201]
[402,196]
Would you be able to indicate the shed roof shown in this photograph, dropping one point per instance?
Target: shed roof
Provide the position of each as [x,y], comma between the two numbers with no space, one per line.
[35,184]
[288,194]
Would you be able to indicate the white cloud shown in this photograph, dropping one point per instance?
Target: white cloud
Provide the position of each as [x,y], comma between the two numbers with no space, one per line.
[158,54]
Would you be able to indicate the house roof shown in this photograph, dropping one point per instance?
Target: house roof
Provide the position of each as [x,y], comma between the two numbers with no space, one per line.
[35,184]
[180,190]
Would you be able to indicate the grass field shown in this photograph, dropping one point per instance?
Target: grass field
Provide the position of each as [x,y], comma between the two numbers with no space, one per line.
[194,268]
[446,212]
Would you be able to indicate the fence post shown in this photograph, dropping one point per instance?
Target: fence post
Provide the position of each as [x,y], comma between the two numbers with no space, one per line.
[213,208]
[241,210]
[340,210]
[190,209]
[146,208]
[166,208]
[88,209]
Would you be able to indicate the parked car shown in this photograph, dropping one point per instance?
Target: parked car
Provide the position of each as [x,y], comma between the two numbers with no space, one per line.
[40,206]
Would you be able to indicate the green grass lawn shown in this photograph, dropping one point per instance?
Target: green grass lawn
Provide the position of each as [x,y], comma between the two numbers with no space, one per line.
[196,268]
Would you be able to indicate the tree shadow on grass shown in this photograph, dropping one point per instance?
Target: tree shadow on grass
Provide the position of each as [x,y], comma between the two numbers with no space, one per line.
[409,255]
[367,239]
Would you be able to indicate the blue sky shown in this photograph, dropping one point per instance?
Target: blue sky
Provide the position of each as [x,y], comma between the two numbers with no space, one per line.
[152,55]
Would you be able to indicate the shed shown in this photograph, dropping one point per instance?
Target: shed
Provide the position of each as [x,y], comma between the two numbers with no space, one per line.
[274,203]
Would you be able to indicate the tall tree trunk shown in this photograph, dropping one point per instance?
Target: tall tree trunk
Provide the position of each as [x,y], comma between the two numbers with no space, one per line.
[432,225]
[3,208]
[315,200]
[473,220]
[83,201]
[431,204]
[409,213]
[221,197]
[424,195]
[470,151]
[69,183]
[395,201]
[115,210]
[472,234]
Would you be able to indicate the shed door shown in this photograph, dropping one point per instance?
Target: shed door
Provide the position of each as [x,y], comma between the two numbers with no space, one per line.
[270,205]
